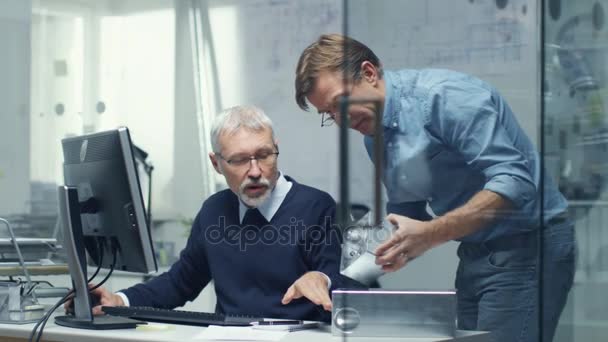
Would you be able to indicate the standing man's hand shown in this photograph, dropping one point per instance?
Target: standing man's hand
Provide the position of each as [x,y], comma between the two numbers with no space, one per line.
[411,239]
[312,285]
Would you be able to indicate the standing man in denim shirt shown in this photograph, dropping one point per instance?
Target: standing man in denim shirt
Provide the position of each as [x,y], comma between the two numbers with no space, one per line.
[452,144]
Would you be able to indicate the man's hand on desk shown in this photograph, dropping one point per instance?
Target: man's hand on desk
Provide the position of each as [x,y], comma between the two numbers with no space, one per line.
[104,298]
[312,285]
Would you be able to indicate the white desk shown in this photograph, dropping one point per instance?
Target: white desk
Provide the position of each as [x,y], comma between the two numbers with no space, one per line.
[182,333]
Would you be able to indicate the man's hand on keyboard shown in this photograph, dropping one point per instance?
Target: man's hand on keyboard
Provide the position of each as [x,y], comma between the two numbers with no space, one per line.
[312,285]
[103,298]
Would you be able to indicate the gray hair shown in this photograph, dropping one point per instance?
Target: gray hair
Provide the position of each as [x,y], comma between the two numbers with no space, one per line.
[232,119]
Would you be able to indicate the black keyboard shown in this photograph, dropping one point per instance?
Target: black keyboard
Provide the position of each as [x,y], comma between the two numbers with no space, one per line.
[179,317]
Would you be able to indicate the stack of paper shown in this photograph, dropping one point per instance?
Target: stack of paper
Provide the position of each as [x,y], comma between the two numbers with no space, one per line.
[218,333]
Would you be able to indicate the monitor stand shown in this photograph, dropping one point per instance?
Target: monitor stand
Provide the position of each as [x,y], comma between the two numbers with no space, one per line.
[69,211]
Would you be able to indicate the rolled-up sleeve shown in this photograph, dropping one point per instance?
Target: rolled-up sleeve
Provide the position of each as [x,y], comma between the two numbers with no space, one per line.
[468,119]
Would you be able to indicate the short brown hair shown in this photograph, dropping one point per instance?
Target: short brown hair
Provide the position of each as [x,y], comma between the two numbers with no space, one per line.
[331,52]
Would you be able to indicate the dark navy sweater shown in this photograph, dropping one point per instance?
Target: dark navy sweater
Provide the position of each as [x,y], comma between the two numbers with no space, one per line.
[252,267]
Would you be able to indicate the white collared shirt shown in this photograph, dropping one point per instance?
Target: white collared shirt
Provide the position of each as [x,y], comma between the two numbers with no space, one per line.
[271,205]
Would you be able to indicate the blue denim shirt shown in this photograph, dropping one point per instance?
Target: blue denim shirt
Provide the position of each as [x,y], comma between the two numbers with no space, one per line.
[447,136]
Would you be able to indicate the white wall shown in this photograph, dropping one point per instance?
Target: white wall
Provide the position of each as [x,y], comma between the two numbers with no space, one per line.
[497,45]
[14,106]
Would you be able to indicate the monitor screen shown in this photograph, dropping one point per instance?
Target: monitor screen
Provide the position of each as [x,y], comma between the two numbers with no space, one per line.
[102,168]
[103,216]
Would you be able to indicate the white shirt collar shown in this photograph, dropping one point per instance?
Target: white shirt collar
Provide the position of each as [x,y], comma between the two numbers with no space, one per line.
[270,206]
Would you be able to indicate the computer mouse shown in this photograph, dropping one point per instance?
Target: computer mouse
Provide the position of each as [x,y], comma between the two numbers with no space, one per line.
[94,300]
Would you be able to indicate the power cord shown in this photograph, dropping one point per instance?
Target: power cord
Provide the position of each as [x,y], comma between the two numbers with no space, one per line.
[42,322]
[102,246]
[45,318]
[65,299]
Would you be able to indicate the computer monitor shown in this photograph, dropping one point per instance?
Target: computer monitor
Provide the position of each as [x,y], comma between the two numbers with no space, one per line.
[103,215]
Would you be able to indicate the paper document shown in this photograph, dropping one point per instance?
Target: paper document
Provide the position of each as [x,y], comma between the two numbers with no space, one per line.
[288,327]
[217,333]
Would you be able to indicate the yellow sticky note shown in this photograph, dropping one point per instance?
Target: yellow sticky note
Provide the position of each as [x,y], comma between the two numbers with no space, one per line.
[154,327]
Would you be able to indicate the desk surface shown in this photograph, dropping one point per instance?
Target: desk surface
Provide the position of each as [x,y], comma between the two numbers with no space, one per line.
[184,333]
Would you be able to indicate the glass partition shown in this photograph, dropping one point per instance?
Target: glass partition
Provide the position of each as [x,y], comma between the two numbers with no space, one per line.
[575,131]
[497,42]
[164,68]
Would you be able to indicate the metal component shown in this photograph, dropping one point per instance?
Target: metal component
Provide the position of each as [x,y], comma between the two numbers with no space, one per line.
[20,256]
[70,217]
[344,205]
[51,292]
[14,298]
[378,164]
[386,313]
[361,240]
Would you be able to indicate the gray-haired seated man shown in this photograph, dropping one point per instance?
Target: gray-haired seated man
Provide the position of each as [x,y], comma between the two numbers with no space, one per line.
[268,243]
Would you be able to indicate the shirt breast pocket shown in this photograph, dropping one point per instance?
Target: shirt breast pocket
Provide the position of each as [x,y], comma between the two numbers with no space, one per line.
[409,177]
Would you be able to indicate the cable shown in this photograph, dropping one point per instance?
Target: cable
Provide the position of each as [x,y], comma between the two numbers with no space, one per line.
[32,288]
[65,299]
[45,318]
[115,257]
[48,314]
[101,246]
[44,282]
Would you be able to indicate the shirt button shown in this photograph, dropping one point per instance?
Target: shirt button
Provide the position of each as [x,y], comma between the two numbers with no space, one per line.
[390,144]
[430,199]
[394,124]
[404,177]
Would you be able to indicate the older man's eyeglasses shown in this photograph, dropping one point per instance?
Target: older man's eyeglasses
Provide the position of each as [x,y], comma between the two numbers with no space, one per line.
[327,119]
[264,158]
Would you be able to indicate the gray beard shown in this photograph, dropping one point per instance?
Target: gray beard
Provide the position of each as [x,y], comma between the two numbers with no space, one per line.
[254,202]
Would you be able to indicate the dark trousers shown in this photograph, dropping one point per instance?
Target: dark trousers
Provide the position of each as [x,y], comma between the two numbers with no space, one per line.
[497,283]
